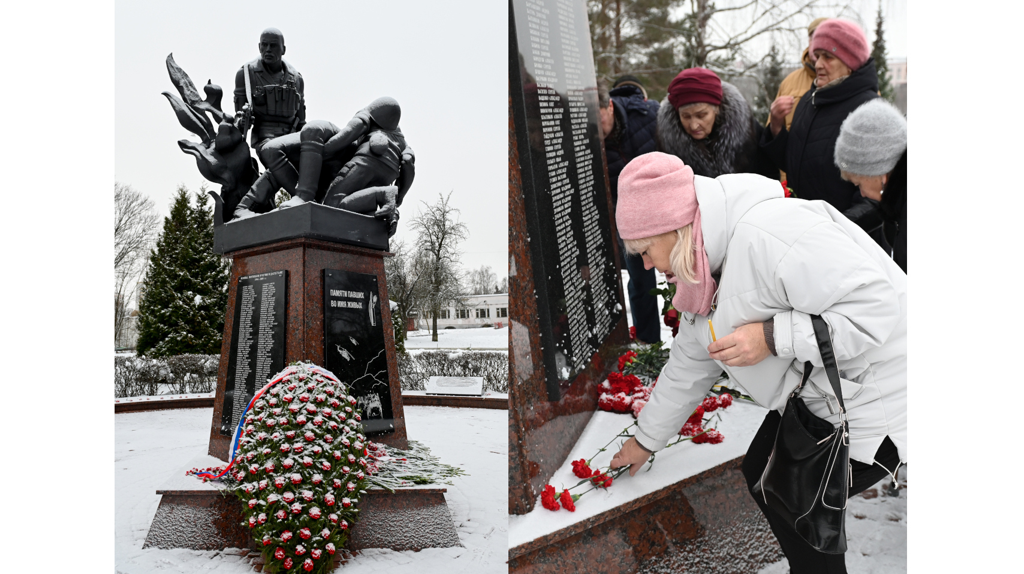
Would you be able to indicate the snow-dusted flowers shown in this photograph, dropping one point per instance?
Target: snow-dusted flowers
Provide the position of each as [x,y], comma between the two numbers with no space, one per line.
[289,476]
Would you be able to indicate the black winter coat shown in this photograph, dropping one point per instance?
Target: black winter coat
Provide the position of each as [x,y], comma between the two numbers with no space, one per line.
[806,152]
[894,208]
[634,132]
[731,147]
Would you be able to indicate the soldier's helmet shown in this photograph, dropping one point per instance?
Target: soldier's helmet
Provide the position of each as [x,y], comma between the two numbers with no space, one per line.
[385,112]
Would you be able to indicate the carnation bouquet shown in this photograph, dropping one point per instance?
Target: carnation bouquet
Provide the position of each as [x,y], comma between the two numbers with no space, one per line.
[300,465]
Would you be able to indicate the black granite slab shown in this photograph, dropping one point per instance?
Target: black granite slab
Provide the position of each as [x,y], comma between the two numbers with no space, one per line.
[354,347]
[257,342]
[554,104]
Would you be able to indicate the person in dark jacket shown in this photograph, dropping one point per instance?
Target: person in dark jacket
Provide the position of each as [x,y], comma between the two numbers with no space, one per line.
[706,123]
[846,79]
[871,153]
[628,125]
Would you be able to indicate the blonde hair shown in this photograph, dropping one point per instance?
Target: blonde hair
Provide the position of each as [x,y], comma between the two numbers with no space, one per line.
[683,257]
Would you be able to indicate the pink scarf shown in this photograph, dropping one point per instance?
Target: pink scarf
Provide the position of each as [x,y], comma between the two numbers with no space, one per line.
[696,298]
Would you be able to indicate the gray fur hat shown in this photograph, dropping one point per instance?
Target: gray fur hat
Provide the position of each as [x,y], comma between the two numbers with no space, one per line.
[872,139]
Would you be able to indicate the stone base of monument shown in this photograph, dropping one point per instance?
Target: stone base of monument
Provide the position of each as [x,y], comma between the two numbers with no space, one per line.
[707,523]
[690,511]
[303,266]
[204,516]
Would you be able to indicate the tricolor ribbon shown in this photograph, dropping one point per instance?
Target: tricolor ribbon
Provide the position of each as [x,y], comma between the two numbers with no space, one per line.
[241,420]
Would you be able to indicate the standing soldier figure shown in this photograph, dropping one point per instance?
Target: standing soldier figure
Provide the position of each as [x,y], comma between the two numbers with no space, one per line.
[273,91]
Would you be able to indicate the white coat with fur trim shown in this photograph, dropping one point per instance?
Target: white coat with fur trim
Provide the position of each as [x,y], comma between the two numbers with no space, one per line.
[783,260]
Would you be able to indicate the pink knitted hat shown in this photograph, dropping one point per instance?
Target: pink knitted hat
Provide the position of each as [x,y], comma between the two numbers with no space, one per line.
[844,39]
[656,195]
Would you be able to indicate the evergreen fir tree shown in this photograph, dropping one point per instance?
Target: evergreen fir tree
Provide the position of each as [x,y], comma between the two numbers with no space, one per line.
[881,65]
[771,77]
[185,293]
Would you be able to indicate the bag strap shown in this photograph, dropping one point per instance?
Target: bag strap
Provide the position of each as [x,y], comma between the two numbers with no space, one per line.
[828,357]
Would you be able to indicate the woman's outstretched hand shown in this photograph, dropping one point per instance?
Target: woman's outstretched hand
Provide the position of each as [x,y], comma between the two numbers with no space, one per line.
[631,455]
[741,348]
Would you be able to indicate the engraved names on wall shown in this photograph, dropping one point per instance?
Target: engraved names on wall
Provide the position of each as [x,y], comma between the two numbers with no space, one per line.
[555,98]
[257,342]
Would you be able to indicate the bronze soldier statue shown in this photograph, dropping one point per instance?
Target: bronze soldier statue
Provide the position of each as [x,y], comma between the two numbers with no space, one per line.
[273,91]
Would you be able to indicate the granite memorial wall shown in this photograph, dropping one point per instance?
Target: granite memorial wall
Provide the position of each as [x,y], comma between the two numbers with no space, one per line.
[568,320]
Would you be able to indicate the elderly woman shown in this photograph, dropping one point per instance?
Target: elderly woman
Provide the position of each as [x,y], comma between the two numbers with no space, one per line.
[845,80]
[759,266]
[871,153]
[706,123]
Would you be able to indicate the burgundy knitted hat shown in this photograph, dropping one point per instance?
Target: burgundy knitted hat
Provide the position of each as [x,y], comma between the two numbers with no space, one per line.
[695,85]
[656,195]
[844,39]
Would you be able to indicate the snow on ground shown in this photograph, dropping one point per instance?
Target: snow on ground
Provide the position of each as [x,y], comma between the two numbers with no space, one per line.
[152,446]
[483,338]
[876,528]
[876,531]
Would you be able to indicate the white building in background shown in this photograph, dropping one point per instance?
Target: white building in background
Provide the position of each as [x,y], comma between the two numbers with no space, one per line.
[475,311]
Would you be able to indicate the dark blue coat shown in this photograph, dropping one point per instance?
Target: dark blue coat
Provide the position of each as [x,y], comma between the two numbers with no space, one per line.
[634,133]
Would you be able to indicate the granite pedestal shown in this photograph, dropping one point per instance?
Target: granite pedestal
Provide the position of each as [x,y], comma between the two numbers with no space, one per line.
[305,259]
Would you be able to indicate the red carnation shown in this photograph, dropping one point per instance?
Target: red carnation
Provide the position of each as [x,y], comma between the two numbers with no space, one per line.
[690,429]
[286,535]
[601,479]
[296,478]
[626,359]
[712,436]
[627,384]
[279,553]
[567,501]
[281,514]
[547,498]
[287,563]
[710,404]
[329,499]
[581,469]
[697,418]
[725,400]
[267,540]
[305,534]
[307,565]
[632,333]
[330,548]
[316,553]
[333,518]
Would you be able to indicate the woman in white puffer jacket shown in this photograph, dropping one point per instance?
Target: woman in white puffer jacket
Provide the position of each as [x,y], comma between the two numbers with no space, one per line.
[759,265]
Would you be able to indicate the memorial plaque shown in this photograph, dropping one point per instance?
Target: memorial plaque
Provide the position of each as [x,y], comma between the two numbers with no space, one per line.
[257,342]
[354,348]
[466,386]
[555,108]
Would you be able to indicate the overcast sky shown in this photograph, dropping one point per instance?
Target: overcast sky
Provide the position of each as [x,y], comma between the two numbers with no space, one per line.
[444,61]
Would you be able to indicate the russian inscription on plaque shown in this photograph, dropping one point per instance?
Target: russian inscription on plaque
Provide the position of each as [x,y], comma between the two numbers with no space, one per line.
[257,343]
[354,348]
[554,102]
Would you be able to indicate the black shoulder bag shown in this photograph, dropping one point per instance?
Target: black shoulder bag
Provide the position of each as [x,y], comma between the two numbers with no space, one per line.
[808,476]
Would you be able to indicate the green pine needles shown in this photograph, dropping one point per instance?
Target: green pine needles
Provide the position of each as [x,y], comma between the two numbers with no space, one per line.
[184,295]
